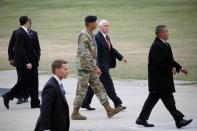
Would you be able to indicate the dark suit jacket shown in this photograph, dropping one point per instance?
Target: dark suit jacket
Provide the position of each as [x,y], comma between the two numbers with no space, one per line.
[160,64]
[106,58]
[27,49]
[12,45]
[36,43]
[54,113]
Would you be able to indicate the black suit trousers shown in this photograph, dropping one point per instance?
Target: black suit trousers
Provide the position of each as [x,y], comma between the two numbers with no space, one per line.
[168,101]
[26,79]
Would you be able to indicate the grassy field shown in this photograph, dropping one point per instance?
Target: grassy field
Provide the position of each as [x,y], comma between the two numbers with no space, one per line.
[58,23]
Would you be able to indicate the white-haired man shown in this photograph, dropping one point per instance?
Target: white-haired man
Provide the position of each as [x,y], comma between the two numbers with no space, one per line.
[106,59]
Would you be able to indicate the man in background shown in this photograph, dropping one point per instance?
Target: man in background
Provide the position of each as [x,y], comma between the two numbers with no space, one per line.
[106,59]
[23,96]
[161,68]
[26,61]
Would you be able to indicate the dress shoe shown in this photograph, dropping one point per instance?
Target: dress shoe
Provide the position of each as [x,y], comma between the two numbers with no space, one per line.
[88,108]
[25,100]
[20,101]
[143,123]
[6,101]
[183,123]
[121,106]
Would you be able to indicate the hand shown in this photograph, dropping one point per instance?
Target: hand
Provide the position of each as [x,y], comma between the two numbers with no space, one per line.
[12,62]
[98,71]
[184,70]
[174,70]
[125,60]
[29,66]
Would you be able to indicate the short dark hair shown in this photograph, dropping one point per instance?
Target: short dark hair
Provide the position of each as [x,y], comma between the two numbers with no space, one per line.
[90,19]
[57,64]
[159,29]
[23,20]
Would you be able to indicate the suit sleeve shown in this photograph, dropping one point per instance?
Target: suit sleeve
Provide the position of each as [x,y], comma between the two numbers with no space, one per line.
[11,46]
[22,45]
[85,53]
[98,50]
[176,64]
[158,59]
[48,97]
[116,54]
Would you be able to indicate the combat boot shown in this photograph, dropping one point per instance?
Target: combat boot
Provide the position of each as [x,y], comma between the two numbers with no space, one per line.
[112,111]
[76,115]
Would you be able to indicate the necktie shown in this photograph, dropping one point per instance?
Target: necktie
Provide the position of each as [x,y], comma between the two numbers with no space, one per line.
[62,88]
[108,41]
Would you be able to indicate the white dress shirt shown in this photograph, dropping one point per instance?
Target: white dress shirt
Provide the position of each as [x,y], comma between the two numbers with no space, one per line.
[24,28]
[58,80]
[103,34]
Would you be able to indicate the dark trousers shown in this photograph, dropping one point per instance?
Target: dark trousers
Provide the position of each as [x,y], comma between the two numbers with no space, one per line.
[168,101]
[27,81]
[108,84]
[24,92]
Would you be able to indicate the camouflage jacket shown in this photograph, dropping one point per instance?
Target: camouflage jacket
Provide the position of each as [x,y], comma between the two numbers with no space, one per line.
[86,51]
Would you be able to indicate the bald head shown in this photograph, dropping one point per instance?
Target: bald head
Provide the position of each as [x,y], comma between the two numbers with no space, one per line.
[104,26]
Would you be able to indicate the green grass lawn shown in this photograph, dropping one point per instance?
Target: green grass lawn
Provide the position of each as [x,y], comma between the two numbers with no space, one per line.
[58,23]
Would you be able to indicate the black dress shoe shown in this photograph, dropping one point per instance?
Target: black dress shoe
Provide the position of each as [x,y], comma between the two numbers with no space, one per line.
[183,123]
[88,108]
[6,101]
[20,101]
[120,106]
[25,100]
[143,123]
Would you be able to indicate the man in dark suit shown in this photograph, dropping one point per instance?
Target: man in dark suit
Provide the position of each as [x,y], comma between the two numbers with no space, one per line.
[54,112]
[161,67]
[107,56]
[26,60]
[23,96]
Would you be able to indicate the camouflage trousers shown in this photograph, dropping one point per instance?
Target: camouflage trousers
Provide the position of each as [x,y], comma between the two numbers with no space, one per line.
[91,78]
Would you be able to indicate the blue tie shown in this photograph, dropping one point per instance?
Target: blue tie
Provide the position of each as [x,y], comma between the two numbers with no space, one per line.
[62,89]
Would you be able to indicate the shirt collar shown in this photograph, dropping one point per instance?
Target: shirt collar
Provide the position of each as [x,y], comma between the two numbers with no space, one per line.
[163,40]
[24,28]
[58,80]
[103,34]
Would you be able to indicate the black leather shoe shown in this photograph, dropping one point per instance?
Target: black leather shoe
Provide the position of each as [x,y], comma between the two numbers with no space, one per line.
[120,106]
[183,123]
[20,101]
[25,100]
[6,101]
[88,108]
[143,123]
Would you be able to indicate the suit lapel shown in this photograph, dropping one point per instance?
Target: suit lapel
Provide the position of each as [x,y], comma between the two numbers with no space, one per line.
[25,33]
[166,47]
[104,41]
[59,90]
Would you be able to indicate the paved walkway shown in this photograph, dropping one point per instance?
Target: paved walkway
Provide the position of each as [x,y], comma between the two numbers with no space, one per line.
[132,92]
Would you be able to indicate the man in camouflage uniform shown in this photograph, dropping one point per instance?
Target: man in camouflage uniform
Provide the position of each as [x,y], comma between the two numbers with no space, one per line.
[88,72]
